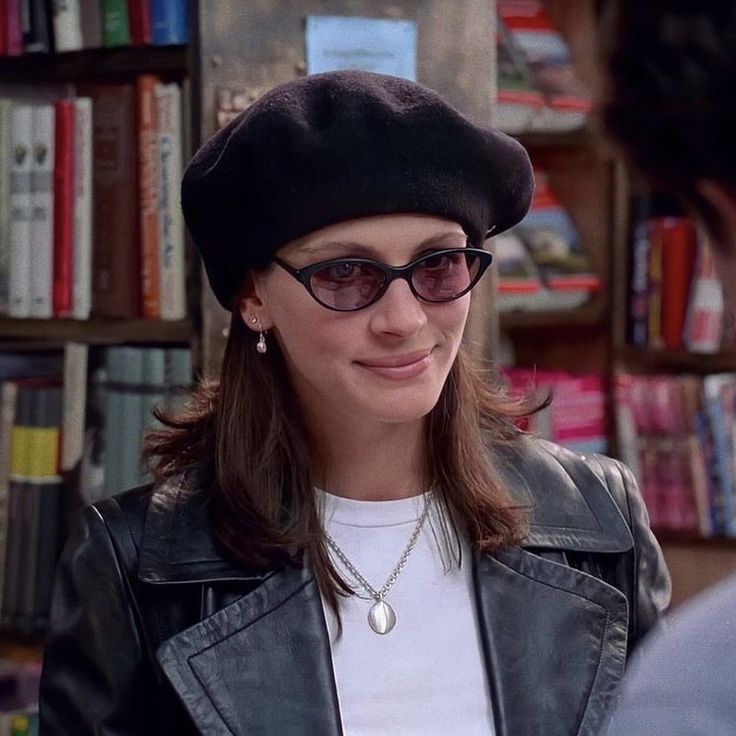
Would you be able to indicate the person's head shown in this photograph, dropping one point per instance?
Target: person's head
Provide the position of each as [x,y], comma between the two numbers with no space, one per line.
[669,77]
[322,214]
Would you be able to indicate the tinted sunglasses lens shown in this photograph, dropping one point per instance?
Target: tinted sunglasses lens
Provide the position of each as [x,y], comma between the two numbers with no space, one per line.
[347,285]
[442,277]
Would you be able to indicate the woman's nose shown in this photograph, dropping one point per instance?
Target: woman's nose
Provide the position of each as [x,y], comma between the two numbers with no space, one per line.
[398,311]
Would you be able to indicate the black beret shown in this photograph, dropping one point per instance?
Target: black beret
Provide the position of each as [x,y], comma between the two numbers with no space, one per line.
[332,147]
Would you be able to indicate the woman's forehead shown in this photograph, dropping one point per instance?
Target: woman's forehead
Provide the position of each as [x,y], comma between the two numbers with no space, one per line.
[379,233]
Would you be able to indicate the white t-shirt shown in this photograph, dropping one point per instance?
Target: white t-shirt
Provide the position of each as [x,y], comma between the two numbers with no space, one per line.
[427,675]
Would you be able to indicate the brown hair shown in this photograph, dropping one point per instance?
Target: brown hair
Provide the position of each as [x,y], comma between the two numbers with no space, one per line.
[245,433]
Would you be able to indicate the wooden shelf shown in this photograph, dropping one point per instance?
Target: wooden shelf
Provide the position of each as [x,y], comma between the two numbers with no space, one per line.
[690,539]
[21,648]
[592,313]
[94,64]
[573,138]
[638,359]
[96,330]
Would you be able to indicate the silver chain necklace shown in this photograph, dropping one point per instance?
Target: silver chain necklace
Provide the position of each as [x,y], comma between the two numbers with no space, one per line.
[382,617]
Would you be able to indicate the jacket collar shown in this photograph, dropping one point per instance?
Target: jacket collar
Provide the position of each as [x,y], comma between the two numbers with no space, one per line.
[570,508]
[554,638]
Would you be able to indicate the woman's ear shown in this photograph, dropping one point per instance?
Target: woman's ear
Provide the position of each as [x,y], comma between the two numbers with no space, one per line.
[251,305]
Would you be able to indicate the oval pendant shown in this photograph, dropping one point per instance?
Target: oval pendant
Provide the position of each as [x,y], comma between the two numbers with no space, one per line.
[381,617]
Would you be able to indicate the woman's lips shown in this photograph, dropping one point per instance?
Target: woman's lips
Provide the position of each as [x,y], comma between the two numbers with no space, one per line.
[399,367]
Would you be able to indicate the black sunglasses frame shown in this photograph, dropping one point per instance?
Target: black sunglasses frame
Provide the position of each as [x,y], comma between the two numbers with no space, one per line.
[304,275]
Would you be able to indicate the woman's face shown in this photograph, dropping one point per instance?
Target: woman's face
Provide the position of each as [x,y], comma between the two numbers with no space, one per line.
[385,363]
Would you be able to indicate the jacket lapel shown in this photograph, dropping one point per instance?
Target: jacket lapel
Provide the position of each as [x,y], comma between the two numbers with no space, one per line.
[261,665]
[555,644]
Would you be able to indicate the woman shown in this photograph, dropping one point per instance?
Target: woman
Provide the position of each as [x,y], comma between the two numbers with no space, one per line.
[347,534]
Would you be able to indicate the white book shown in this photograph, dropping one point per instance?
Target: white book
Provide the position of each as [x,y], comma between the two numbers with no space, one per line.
[42,213]
[6,112]
[83,210]
[74,398]
[19,267]
[172,262]
[67,25]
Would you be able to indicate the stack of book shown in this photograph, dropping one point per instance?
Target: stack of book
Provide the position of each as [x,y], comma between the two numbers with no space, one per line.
[677,434]
[71,429]
[577,415]
[541,263]
[538,89]
[90,222]
[675,296]
[39,26]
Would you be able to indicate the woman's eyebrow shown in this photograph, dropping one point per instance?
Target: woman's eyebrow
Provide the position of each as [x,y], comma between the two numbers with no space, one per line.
[368,251]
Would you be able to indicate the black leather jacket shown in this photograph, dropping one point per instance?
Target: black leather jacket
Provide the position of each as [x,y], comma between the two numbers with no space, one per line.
[154,632]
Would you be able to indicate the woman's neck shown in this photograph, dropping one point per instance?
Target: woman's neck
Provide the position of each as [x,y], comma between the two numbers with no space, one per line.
[377,463]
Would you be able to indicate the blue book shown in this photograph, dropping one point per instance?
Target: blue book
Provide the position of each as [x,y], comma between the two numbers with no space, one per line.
[169,22]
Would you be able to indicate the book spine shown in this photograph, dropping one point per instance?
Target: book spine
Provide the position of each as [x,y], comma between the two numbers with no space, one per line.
[171,224]
[45,488]
[19,461]
[654,293]
[42,212]
[20,211]
[115,23]
[76,362]
[639,287]
[67,25]
[36,27]
[8,401]
[678,261]
[116,257]
[130,441]
[13,28]
[140,22]
[6,120]
[148,180]
[113,418]
[82,245]
[91,23]
[169,22]
[63,209]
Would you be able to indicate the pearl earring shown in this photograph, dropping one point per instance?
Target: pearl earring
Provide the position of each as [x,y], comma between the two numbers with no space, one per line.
[261,346]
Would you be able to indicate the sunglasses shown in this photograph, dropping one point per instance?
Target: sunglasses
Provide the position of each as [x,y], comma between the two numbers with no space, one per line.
[349,284]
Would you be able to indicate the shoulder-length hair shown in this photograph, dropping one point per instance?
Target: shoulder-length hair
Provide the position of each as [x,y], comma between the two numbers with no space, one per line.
[245,434]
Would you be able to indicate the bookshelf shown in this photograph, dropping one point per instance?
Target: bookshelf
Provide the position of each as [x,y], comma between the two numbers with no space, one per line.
[597,189]
[247,47]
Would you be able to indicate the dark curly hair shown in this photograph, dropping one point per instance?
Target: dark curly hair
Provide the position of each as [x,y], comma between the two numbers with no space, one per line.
[668,95]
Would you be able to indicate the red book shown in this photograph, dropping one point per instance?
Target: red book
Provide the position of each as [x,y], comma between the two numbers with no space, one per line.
[140,22]
[3,29]
[148,193]
[13,28]
[63,208]
[679,247]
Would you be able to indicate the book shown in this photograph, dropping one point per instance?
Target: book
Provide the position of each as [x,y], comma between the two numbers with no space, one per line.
[638,295]
[519,283]
[678,265]
[115,23]
[172,265]
[8,400]
[526,26]
[140,22]
[148,192]
[13,28]
[41,532]
[42,212]
[169,22]
[116,255]
[63,210]
[67,22]
[552,240]
[90,12]
[36,26]
[21,142]
[83,215]
[6,122]
[703,330]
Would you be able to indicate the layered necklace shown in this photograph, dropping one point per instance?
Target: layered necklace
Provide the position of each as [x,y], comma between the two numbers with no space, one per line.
[381,616]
